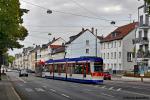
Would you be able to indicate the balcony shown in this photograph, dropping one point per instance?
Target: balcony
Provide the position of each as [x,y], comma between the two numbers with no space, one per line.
[144,26]
[142,40]
[143,54]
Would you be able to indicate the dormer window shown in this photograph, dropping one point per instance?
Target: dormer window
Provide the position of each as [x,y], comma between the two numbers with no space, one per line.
[113,34]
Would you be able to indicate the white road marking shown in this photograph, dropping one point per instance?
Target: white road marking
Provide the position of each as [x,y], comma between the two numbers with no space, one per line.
[20,84]
[44,86]
[29,89]
[21,80]
[53,90]
[16,93]
[87,90]
[107,95]
[65,95]
[110,88]
[74,86]
[136,93]
[39,89]
[119,89]
[103,87]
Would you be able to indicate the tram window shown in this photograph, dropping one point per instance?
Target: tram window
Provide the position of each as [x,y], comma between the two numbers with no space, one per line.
[78,69]
[63,68]
[55,68]
[98,67]
[88,72]
[46,69]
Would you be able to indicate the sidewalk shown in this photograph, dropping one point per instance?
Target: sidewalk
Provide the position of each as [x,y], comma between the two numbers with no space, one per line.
[130,79]
[7,91]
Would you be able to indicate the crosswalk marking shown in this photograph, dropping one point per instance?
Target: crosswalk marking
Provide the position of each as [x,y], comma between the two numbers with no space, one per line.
[107,95]
[53,90]
[103,86]
[29,89]
[119,89]
[110,88]
[39,89]
[65,95]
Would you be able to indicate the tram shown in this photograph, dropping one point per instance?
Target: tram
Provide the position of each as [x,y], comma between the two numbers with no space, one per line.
[82,69]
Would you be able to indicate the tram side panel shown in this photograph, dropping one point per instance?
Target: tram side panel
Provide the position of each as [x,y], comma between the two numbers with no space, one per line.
[77,73]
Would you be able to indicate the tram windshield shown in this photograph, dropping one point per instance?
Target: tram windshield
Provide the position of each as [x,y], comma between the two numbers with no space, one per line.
[98,67]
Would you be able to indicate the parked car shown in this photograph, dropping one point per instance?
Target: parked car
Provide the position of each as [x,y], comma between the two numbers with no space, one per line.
[107,76]
[23,73]
[45,72]
[30,71]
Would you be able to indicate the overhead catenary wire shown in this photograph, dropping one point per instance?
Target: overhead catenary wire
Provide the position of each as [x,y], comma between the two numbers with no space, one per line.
[85,16]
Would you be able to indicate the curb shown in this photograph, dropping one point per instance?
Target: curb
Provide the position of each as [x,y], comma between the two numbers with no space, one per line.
[12,87]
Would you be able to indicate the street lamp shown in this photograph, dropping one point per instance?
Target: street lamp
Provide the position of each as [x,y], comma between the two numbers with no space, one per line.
[49,11]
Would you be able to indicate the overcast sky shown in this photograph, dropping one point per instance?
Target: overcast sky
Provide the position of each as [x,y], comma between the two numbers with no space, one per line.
[93,13]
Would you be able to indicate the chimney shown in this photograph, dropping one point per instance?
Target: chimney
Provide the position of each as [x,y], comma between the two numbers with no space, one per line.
[92,30]
[82,29]
[96,32]
[53,39]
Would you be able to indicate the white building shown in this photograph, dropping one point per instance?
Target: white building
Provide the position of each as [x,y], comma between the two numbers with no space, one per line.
[117,49]
[57,48]
[142,39]
[83,44]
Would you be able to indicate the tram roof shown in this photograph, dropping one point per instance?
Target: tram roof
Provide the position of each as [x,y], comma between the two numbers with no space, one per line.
[94,59]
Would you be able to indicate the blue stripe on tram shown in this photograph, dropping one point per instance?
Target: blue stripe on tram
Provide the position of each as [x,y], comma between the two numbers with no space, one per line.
[76,80]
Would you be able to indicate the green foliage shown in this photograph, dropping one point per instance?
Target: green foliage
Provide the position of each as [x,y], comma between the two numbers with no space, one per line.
[11,59]
[11,29]
[148,1]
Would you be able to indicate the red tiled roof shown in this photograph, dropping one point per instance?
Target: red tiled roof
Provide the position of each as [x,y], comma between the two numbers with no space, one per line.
[55,46]
[121,32]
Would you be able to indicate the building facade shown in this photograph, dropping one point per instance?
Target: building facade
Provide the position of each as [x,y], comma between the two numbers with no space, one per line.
[117,49]
[86,43]
[142,39]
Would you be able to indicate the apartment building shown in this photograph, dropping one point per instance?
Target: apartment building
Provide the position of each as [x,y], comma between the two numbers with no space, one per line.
[117,49]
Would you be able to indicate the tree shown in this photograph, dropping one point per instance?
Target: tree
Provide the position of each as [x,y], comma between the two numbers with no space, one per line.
[11,29]
[148,3]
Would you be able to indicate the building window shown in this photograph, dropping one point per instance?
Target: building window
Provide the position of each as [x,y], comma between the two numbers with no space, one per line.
[104,55]
[140,34]
[113,34]
[108,66]
[104,45]
[129,56]
[112,55]
[115,65]
[107,55]
[141,20]
[115,44]
[111,44]
[145,33]
[111,66]
[119,54]
[115,55]
[120,67]
[147,19]
[108,45]
[87,42]
[87,51]
[119,43]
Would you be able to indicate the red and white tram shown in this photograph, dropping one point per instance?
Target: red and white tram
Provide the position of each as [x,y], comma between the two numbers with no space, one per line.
[82,69]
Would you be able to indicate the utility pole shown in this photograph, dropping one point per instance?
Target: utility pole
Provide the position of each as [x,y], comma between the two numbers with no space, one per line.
[96,43]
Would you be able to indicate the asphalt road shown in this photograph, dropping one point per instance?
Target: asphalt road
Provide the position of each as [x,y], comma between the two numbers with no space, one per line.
[35,88]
